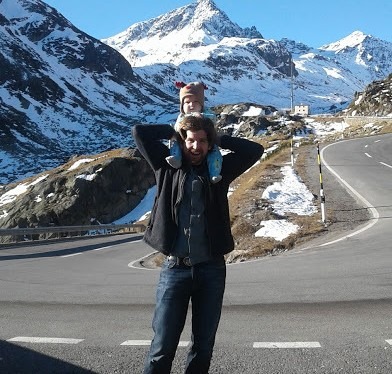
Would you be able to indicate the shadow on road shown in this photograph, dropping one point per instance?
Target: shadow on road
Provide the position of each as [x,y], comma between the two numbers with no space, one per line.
[52,251]
[16,359]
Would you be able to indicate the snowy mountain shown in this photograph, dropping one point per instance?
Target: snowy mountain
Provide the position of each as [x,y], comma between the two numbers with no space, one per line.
[199,42]
[333,73]
[63,92]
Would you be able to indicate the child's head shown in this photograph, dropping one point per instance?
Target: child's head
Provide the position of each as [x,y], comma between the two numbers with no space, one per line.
[191,97]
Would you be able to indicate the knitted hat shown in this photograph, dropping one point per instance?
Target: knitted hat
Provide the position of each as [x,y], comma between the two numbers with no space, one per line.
[188,89]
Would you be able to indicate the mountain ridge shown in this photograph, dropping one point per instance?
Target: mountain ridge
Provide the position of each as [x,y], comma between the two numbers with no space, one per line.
[326,78]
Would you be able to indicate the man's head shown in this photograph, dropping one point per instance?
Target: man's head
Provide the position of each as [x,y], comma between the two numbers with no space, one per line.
[191,97]
[199,135]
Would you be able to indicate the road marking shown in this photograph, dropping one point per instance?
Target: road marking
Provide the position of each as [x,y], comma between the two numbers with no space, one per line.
[389,341]
[371,208]
[36,339]
[136,342]
[98,249]
[367,154]
[72,254]
[383,163]
[148,342]
[136,263]
[79,253]
[273,345]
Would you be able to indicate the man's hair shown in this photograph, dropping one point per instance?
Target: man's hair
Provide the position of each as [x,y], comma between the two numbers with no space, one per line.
[196,123]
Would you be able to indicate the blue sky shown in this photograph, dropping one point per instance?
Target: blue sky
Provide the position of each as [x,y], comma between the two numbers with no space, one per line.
[313,22]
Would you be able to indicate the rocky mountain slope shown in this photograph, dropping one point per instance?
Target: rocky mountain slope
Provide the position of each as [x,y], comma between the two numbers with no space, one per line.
[375,100]
[63,92]
[97,188]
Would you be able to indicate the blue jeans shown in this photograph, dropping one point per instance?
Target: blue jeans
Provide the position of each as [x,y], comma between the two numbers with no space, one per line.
[204,285]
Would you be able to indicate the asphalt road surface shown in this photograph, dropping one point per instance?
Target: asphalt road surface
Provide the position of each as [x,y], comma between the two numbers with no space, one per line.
[85,306]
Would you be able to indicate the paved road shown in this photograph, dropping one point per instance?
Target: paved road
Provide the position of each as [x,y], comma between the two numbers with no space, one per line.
[83,307]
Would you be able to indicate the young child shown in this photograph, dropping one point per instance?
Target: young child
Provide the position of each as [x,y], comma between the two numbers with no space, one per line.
[192,103]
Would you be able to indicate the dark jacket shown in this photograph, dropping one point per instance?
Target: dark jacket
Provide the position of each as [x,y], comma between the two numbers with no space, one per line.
[161,231]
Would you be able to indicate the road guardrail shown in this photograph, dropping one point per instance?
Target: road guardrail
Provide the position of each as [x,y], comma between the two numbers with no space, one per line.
[16,235]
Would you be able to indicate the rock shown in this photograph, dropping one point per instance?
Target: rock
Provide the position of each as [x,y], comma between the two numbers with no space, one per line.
[103,187]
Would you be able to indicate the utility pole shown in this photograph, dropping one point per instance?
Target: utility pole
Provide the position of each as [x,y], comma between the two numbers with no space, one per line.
[292,86]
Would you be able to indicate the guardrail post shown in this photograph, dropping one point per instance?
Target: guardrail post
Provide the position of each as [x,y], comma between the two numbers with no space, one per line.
[322,197]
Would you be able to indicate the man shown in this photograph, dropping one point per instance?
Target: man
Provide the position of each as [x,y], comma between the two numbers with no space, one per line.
[190,224]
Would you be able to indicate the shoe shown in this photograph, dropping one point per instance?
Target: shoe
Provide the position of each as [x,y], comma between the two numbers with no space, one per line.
[173,162]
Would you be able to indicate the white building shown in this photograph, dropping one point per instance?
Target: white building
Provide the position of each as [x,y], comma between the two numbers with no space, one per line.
[302,110]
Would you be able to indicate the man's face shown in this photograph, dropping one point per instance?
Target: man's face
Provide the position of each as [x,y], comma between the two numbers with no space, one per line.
[196,146]
[190,104]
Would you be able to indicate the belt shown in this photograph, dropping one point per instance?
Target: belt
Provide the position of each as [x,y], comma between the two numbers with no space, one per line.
[184,261]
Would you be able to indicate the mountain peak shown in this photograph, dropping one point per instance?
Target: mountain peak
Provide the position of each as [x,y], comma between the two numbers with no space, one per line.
[351,41]
[206,3]
[196,24]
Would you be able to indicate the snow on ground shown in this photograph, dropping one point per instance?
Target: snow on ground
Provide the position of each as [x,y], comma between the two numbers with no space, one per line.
[322,129]
[141,211]
[290,195]
[76,164]
[277,229]
[11,195]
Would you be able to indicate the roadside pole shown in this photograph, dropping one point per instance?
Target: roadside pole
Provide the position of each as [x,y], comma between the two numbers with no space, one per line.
[292,153]
[322,197]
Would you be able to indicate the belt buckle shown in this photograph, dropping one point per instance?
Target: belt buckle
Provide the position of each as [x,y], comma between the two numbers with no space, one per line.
[178,260]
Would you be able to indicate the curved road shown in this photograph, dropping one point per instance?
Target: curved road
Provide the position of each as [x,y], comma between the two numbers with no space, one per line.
[84,307]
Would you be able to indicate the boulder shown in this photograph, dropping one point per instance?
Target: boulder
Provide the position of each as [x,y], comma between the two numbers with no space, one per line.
[85,190]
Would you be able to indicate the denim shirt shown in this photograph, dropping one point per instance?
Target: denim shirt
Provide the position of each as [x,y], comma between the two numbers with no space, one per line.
[192,238]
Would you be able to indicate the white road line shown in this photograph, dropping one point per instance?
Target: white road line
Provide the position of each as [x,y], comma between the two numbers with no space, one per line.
[98,249]
[367,154]
[371,208]
[136,342]
[136,263]
[148,342]
[36,339]
[383,163]
[72,254]
[79,253]
[273,345]
[389,341]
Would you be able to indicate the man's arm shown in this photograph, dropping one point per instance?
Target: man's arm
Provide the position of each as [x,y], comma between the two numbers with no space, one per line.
[148,139]
[244,153]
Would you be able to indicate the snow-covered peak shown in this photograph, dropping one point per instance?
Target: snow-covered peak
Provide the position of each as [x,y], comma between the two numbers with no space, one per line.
[203,15]
[351,41]
[164,37]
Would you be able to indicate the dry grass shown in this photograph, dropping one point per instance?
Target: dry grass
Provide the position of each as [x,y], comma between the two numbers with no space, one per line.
[248,209]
